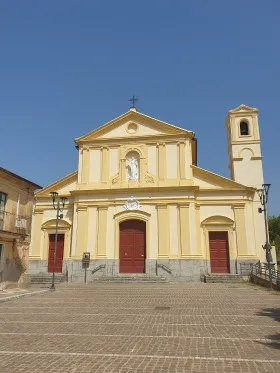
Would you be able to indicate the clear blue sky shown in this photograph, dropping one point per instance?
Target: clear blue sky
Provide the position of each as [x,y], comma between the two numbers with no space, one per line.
[69,66]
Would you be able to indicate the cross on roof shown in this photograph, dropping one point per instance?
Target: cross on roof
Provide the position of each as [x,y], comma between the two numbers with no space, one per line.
[133,100]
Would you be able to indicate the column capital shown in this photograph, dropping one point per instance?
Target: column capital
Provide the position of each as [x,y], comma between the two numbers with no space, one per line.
[81,208]
[185,205]
[102,208]
[38,211]
[238,205]
[162,206]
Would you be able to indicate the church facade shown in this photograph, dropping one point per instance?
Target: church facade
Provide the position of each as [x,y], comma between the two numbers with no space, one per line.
[140,204]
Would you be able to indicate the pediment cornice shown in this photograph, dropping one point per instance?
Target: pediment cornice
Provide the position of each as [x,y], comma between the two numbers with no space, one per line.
[133,117]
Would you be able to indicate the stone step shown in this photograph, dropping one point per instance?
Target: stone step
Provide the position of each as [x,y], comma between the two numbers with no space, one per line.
[224,277]
[122,279]
[46,278]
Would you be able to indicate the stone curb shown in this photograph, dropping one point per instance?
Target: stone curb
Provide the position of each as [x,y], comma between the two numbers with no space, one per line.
[13,297]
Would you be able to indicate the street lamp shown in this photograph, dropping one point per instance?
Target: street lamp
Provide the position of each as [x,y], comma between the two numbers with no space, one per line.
[263,194]
[58,205]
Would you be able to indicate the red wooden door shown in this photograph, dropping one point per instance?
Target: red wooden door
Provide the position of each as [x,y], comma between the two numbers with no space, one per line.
[59,252]
[219,253]
[132,246]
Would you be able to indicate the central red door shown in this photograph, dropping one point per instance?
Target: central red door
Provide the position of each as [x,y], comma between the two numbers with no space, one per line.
[59,252]
[132,246]
[219,253]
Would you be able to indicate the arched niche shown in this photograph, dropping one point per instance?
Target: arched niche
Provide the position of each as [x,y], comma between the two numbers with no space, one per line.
[139,153]
[132,166]
[246,153]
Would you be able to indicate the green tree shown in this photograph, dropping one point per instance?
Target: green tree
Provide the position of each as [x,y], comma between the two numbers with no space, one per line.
[274,233]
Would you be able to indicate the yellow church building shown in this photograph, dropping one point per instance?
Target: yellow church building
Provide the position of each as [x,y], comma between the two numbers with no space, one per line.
[141,206]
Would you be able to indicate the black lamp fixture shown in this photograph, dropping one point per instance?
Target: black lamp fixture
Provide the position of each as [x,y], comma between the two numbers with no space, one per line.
[58,205]
[263,194]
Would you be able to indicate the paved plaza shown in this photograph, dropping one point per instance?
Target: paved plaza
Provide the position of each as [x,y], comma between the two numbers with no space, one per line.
[151,328]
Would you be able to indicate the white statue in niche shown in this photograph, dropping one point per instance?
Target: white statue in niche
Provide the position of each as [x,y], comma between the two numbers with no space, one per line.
[132,168]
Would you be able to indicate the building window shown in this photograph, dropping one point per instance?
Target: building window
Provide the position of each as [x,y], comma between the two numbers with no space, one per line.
[244,128]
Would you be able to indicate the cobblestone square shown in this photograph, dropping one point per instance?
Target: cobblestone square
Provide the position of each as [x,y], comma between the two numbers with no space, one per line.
[136,327]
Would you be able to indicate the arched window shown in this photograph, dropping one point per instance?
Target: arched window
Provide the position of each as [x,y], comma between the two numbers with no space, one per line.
[244,128]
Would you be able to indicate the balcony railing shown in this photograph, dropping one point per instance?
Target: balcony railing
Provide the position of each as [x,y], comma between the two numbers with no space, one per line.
[16,224]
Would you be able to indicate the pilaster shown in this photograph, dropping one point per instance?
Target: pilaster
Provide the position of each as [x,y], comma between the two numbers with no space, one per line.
[36,235]
[184,230]
[163,231]
[105,165]
[197,225]
[101,231]
[85,165]
[182,168]
[240,228]
[82,224]
[161,162]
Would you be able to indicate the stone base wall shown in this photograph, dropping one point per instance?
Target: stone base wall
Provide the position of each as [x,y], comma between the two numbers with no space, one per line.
[244,267]
[185,270]
[181,270]
[36,267]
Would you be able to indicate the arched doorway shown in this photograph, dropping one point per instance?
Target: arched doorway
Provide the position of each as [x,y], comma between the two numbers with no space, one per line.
[132,246]
[63,243]
[218,233]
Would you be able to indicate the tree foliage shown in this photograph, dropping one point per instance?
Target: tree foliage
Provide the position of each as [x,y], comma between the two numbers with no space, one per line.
[274,232]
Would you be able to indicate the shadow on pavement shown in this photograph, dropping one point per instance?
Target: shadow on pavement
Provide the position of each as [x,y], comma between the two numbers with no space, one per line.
[274,313]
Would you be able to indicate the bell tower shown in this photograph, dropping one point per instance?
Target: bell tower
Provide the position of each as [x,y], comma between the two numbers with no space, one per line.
[244,146]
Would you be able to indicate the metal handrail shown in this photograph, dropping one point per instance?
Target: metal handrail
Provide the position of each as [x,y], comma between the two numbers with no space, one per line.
[159,265]
[261,270]
[101,266]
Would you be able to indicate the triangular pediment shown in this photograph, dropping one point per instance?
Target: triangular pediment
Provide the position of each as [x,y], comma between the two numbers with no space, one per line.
[243,109]
[62,186]
[208,180]
[133,124]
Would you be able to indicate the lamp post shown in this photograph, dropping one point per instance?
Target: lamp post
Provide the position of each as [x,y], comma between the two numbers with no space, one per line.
[58,205]
[263,194]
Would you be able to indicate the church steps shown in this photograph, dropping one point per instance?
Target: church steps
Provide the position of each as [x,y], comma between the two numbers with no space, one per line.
[224,277]
[129,278]
[46,278]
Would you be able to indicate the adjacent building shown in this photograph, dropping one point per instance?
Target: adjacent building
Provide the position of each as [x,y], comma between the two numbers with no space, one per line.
[140,204]
[16,208]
